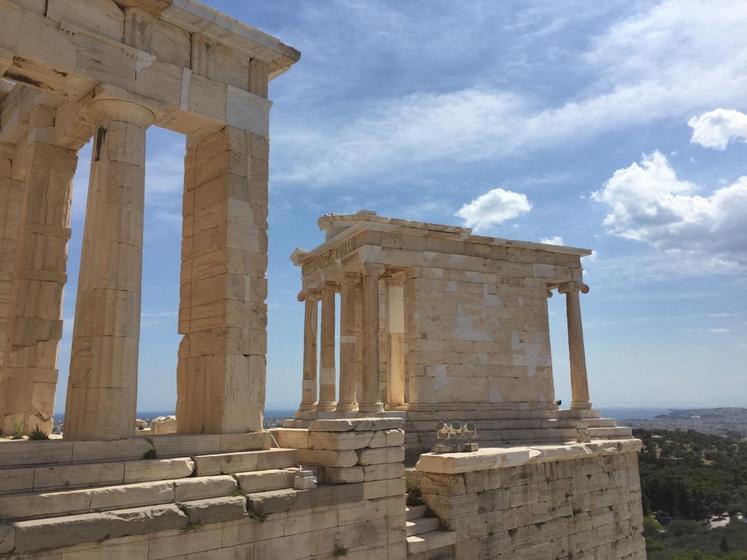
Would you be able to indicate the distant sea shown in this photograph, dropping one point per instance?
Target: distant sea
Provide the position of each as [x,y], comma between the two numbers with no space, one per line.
[621,412]
[608,412]
[145,414]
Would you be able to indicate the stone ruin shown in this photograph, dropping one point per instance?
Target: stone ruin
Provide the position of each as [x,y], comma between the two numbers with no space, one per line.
[436,325]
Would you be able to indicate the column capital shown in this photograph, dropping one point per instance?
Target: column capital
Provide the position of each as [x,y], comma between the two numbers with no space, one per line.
[310,294]
[573,287]
[373,269]
[397,278]
[329,286]
[105,108]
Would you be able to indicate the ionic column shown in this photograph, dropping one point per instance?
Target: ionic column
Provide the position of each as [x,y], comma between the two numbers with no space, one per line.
[576,352]
[371,399]
[327,371]
[29,378]
[310,323]
[348,341]
[397,346]
[102,389]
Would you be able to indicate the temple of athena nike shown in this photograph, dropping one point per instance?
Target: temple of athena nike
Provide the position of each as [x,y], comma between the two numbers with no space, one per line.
[441,332]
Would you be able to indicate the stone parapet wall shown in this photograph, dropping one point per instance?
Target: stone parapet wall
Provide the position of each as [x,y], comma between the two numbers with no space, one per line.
[554,501]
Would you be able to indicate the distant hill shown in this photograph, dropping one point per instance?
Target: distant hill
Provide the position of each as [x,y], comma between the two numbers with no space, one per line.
[727,421]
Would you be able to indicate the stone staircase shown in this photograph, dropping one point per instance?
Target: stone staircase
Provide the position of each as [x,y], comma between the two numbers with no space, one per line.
[425,538]
[48,500]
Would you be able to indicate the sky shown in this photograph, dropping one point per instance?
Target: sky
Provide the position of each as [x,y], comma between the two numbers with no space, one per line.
[619,126]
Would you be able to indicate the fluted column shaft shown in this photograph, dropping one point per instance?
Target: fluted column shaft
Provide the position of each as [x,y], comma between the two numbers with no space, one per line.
[310,324]
[102,389]
[348,341]
[576,351]
[327,370]
[397,344]
[371,399]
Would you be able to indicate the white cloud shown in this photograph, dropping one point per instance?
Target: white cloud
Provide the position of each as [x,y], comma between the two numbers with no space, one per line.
[647,202]
[715,129]
[670,61]
[554,240]
[493,208]
[719,331]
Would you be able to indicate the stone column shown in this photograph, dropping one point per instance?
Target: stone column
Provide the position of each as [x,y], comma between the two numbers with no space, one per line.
[397,345]
[11,203]
[348,341]
[310,325]
[327,370]
[102,389]
[576,352]
[222,309]
[370,399]
[29,377]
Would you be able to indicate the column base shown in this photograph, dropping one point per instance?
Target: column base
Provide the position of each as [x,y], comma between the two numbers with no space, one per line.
[346,407]
[580,405]
[326,407]
[305,412]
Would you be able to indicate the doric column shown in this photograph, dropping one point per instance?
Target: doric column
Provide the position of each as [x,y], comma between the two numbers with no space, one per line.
[310,324]
[222,309]
[576,352]
[371,399]
[397,347]
[29,377]
[348,341]
[327,370]
[102,389]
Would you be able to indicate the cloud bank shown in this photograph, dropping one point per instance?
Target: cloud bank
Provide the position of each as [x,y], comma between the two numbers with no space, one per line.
[647,202]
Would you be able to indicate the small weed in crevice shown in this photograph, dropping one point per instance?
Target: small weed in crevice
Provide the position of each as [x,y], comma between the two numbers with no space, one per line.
[258,515]
[37,434]
[237,491]
[340,551]
[150,454]
[191,526]
[17,431]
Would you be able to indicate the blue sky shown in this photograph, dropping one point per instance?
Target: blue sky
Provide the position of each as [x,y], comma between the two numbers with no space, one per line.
[615,125]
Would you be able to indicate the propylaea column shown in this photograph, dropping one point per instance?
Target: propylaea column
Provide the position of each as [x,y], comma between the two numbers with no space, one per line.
[576,351]
[102,388]
[327,371]
[29,377]
[370,399]
[348,341]
[310,325]
[397,346]
[223,309]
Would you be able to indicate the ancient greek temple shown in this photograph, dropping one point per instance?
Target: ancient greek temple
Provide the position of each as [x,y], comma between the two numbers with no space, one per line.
[76,70]
[436,323]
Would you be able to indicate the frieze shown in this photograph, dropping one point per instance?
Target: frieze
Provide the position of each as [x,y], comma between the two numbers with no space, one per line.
[329,257]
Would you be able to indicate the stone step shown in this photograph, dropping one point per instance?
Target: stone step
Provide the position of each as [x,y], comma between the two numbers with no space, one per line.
[72,502]
[271,479]
[422,525]
[30,536]
[427,542]
[245,461]
[62,452]
[415,512]
[618,432]
[87,475]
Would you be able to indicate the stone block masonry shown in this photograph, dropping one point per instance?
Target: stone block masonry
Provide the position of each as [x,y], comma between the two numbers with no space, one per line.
[538,502]
[250,515]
